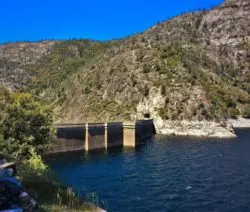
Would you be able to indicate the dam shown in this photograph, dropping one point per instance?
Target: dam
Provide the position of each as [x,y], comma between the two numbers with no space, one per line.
[96,136]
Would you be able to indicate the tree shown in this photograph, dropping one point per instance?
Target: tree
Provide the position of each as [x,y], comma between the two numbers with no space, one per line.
[26,125]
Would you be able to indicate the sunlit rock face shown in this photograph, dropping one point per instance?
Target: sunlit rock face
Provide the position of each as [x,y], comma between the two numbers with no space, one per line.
[226,29]
[15,59]
[228,24]
[150,105]
[195,128]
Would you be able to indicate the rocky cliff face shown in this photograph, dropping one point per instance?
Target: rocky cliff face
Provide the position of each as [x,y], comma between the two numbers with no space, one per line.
[226,30]
[15,59]
[25,53]
[193,67]
[227,24]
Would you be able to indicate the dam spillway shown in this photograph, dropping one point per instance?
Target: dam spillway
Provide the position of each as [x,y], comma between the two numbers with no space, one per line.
[93,136]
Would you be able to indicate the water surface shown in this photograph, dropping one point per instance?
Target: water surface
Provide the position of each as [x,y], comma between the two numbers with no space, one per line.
[167,174]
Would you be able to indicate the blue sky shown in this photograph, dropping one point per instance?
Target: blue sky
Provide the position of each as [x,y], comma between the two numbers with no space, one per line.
[31,20]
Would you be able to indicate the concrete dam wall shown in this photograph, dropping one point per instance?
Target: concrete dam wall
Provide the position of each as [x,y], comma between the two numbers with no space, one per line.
[92,136]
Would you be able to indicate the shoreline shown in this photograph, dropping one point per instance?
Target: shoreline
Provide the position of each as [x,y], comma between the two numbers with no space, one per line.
[240,123]
[208,129]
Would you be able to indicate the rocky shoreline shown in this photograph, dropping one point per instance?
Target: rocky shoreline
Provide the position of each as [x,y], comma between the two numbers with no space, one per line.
[240,123]
[195,128]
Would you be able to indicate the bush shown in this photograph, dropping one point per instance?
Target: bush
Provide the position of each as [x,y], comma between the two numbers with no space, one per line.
[230,103]
[163,112]
[35,162]
[234,113]
[25,125]
[247,112]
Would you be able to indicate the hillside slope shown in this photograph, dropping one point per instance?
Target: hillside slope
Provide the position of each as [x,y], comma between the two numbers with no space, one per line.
[192,67]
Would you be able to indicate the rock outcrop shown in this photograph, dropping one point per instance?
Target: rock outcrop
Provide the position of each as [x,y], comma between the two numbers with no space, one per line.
[15,59]
[195,128]
[240,122]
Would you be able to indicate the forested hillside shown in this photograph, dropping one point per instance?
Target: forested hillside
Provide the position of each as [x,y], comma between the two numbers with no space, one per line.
[195,66]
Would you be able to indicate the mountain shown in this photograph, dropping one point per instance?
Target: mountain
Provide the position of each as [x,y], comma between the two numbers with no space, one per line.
[193,67]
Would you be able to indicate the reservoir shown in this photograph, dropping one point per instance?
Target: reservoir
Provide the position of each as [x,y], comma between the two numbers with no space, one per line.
[169,173]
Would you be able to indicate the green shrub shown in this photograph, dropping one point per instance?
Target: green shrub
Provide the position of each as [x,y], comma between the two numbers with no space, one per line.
[233,113]
[230,103]
[35,162]
[247,112]
[173,61]
[25,125]
[163,112]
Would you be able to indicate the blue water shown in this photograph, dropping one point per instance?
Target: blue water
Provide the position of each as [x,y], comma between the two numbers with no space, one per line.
[167,174]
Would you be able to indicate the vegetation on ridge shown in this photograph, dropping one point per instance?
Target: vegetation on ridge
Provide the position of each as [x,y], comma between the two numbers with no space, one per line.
[197,63]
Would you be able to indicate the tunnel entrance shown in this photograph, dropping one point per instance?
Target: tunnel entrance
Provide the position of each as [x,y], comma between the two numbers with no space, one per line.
[146,115]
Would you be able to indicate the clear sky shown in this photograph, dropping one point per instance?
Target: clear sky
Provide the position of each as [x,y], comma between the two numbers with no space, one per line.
[31,20]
